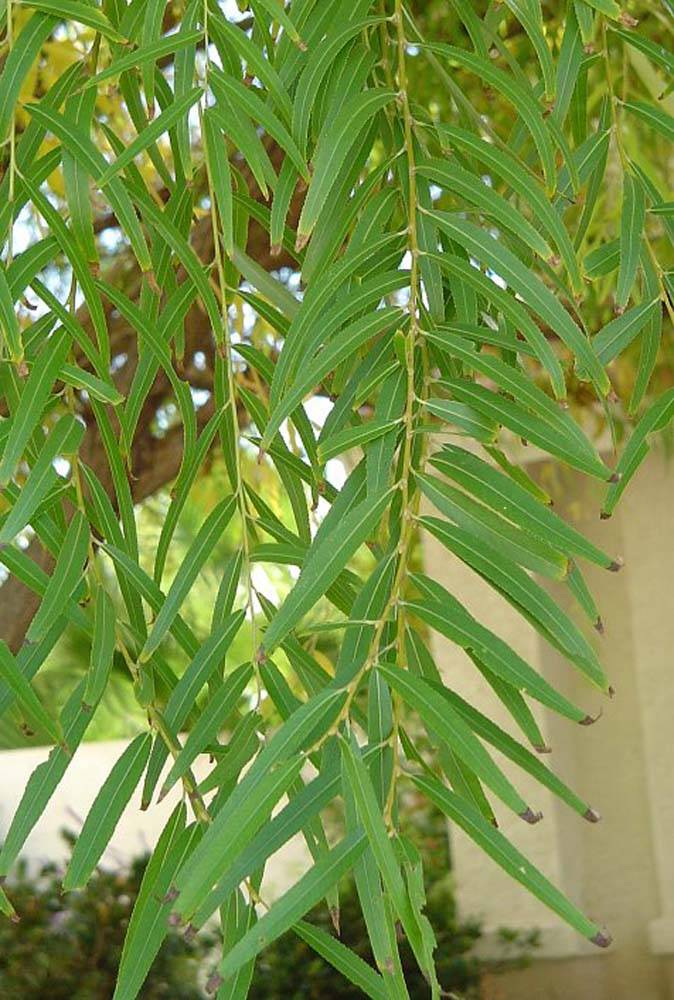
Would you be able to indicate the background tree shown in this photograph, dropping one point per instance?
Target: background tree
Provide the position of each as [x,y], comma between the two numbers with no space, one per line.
[268,239]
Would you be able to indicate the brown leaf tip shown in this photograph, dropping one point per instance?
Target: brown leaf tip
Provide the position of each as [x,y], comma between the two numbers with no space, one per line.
[542,748]
[214,983]
[604,515]
[529,816]
[602,939]
[615,477]
[599,625]
[591,815]
[590,720]
[261,656]
[616,565]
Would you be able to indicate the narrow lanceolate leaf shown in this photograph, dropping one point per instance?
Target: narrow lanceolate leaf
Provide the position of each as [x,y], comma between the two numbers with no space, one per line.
[63,440]
[209,534]
[8,320]
[444,613]
[333,148]
[168,46]
[65,576]
[221,177]
[631,230]
[18,63]
[504,495]
[457,734]
[44,780]
[350,340]
[296,902]
[324,561]
[523,592]
[519,95]
[78,10]
[102,647]
[514,751]
[231,831]
[247,99]
[356,777]
[31,707]
[33,399]
[149,919]
[248,806]
[656,417]
[343,959]
[462,184]
[354,437]
[658,119]
[152,131]
[209,723]
[508,857]
[490,527]
[209,659]
[112,798]
[503,262]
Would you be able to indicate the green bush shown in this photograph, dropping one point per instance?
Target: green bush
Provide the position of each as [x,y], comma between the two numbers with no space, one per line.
[68,947]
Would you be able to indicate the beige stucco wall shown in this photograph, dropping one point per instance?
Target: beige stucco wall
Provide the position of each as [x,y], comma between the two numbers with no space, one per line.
[621,871]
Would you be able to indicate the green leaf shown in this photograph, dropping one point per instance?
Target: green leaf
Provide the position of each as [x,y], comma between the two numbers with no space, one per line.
[323,563]
[493,843]
[632,219]
[149,920]
[350,340]
[502,164]
[249,798]
[490,527]
[517,93]
[44,780]
[19,60]
[655,117]
[354,437]
[334,144]
[209,723]
[102,648]
[74,10]
[152,131]
[8,320]
[656,417]
[109,804]
[454,731]
[343,959]
[64,439]
[439,609]
[198,553]
[356,777]
[221,178]
[462,184]
[30,704]
[247,99]
[503,262]
[33,400]
[65,577]
[511,500]
[295,903]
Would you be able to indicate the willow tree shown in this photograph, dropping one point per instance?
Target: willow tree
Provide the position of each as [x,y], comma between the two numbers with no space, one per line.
[450,225]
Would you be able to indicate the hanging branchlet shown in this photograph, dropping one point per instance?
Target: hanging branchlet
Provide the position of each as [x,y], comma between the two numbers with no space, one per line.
[312,274]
